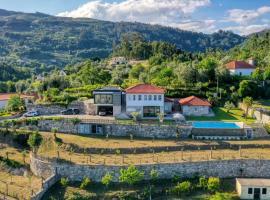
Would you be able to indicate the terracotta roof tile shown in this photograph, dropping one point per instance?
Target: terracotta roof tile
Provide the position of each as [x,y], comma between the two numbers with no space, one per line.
[7,96]
[145,89]
[239,65]
[194,101]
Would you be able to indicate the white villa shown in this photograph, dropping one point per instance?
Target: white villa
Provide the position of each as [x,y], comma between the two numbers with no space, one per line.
[241,68]
[146,99]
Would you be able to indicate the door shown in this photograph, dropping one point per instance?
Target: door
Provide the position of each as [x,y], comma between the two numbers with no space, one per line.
[257,193]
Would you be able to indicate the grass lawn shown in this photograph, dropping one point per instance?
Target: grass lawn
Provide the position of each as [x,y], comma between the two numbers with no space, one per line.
[221,114]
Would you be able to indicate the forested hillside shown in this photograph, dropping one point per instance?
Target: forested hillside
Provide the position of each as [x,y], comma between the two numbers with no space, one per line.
[43,42]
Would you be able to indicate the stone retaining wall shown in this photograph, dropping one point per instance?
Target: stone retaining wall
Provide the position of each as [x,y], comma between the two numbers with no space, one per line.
[217,168]
[148,131]
[260,117]
[47,184]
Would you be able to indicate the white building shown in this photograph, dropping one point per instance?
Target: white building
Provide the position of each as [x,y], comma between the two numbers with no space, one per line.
[146,99]
[241,68]
[194,106]
[118,61]
[253,188]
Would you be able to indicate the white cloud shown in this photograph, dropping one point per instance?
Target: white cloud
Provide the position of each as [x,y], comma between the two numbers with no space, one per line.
[207,26]
[246,30]
[164,12]
[244,17]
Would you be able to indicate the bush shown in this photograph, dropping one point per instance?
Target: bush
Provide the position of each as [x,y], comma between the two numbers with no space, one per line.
[131,175]
[203,183]
[213,184]
[34,140]
[10,163]
[267,128]
[154,174]
[221,196]
[106,179]
[64,182]
[182,188]
[85,183]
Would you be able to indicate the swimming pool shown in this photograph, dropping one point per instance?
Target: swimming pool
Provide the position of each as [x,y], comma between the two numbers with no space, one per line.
[217,125]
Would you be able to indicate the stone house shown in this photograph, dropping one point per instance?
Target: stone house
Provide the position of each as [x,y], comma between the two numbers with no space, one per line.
[194,106]
[253,188]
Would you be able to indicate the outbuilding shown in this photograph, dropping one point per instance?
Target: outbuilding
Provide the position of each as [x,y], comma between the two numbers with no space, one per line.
[253,188]
[194,106]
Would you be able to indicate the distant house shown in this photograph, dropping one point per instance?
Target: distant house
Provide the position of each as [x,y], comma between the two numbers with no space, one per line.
[146,99]
[253,188]
[194,106]
[118,61]
[241,68]
[108,100]
[4,97]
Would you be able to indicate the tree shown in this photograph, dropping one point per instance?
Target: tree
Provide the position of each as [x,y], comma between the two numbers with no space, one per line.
[15,103]
[34,140]
[131,175]
[229,106]
[247,88]
[154,175]
[247,101]
[213,184]
[107,179]
[135,116]
[257,75]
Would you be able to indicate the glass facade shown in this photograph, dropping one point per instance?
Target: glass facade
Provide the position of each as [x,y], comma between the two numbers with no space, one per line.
[103,99]
[151,111]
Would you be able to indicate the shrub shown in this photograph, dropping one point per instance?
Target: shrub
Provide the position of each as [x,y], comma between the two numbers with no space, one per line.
[107,179]
[213,184]
[34,140]
[221,196]
[202,183]
[184,188]
[131,175]
[64,182]
[85,183]
[267,127]
[10,163]
[154,174]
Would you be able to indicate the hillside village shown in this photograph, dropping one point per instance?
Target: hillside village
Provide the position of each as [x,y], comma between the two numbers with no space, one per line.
[145,119]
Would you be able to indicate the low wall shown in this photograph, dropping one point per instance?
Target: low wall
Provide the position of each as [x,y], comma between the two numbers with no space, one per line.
[217,168]
[150,131]
[47,184]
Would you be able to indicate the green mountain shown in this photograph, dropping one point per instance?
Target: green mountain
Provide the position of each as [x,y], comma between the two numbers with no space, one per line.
[43,42]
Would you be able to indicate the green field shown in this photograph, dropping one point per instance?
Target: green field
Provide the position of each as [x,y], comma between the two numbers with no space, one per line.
[221,114]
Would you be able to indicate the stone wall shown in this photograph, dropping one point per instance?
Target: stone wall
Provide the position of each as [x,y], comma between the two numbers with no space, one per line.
[260,117]
[217,168]
[149,131]
[47,184]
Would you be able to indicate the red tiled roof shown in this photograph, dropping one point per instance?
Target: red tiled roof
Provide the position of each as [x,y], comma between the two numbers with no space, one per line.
[194,101]
[7,96]
[239,65]
[145,89]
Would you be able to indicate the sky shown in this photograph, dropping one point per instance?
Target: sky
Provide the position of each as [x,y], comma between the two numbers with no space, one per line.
[208,16]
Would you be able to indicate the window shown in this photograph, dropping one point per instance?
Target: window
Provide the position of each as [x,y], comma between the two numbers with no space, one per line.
[159,97]
[240,73]
[103,99]
[250,190]
[139,97]
[155,97]
[134,97]
[264,191]
[145,97]
[149,97]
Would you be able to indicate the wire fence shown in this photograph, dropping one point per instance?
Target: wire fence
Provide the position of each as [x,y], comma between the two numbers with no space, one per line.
[152,158]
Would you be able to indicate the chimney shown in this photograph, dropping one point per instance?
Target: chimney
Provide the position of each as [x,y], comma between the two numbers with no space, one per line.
[251,61]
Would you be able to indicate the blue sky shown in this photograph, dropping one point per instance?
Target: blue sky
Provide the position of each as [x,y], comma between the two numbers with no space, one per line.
[241,16]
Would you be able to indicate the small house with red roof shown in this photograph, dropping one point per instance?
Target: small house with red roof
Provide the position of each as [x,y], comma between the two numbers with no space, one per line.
[241,68]
[194,106]
[146,99]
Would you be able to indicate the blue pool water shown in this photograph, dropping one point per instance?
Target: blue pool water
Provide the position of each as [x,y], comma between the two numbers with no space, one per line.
[215,125]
